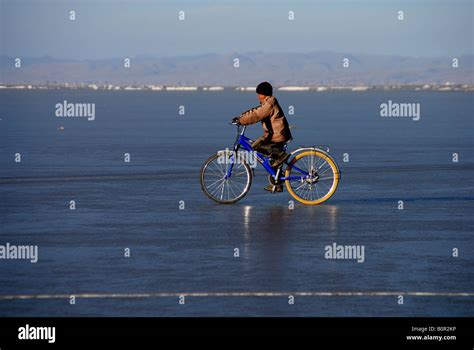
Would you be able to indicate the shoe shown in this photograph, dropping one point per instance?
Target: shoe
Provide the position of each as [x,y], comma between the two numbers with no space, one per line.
[277,162]
[269,188]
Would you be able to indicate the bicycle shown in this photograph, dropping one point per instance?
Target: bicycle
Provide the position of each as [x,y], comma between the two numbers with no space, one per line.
[311,175]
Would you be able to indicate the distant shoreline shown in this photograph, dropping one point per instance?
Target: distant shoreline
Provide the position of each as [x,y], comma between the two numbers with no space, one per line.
[315,88]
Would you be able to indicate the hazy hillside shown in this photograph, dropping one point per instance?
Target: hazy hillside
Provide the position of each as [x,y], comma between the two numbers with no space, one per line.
[215,69]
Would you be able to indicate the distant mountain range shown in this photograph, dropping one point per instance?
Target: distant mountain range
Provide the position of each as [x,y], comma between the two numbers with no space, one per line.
[316,68]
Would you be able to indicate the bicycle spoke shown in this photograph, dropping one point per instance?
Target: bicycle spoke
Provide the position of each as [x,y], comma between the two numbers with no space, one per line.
[304,183]
[325,171]
[222,188]
[306,164]
[215,182]
[240,173]
[324,162]
[317,164]
[219,168]
[215,175]
[232,189]
[316,195]
[302,188]
[313,189]
[217,189]
[325,185]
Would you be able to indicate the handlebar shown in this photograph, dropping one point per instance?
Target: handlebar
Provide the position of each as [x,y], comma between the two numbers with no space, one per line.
[240,128]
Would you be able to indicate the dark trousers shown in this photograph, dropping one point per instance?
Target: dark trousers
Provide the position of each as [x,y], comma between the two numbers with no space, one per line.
[269,148]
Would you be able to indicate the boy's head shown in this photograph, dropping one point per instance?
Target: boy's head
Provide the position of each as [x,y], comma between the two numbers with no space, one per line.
[263,90]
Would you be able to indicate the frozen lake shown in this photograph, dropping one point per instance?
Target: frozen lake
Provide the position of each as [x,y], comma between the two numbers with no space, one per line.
[137,208]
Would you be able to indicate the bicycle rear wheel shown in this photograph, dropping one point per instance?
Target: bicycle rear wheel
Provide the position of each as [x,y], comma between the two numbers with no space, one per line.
[216,182]
[322,181]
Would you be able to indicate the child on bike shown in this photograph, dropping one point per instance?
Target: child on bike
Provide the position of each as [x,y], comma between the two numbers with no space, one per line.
[276,131]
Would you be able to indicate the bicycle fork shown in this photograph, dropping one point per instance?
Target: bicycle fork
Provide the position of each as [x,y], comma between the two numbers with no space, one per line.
[231,166]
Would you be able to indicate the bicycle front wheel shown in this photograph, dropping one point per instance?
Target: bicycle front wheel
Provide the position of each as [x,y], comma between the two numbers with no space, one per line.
[226,177]
[320,183]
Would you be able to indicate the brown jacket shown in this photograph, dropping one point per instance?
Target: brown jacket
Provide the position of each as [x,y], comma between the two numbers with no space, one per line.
[274,123]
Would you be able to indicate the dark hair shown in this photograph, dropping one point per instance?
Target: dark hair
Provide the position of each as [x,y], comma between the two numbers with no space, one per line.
[265,88]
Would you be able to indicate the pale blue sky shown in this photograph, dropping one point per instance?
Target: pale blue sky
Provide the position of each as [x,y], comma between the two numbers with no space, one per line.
[108,28]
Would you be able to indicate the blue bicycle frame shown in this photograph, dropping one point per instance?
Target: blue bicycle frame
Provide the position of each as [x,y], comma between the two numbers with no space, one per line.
[244,142]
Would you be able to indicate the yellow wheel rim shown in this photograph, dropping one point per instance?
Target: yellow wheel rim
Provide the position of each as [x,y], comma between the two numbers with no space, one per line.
[331,191]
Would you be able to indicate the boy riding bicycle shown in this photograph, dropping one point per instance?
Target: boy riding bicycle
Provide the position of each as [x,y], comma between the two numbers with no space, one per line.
[276,131]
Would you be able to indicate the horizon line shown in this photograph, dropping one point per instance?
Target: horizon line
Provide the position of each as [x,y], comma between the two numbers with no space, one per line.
[153,56]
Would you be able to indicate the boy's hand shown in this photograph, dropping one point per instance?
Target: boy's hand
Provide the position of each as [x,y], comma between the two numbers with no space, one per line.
[235,120]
